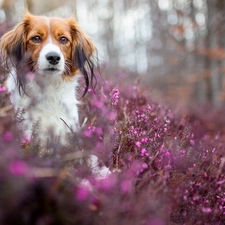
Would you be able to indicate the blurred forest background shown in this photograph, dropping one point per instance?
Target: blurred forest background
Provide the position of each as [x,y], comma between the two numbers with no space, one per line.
[177,47]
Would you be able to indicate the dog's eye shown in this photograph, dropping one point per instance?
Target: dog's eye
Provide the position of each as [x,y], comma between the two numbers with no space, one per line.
[63,40]
[36,39]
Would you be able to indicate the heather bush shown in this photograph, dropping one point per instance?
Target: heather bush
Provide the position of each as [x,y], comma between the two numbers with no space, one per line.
[166,167]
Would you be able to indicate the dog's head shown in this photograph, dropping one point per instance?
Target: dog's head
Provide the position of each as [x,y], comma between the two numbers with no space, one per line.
[49,46]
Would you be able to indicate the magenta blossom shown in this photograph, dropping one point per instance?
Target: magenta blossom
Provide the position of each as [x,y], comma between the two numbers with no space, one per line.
[82,193]
[18,168]
[8,136]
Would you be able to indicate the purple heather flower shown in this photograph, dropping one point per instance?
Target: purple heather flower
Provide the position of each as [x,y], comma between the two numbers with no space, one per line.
[138,143]
[108,183]
[144,140]
[89,131]
[18,168]
[167,154]
[82,193]
[111,116]
[192,142]
[126,186]
[2,89]
[144,166]
[143,152]
[8,136]
[115,96]
[206,210]
[26,140]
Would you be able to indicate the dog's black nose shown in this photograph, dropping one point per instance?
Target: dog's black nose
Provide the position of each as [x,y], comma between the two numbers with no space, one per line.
[53,58]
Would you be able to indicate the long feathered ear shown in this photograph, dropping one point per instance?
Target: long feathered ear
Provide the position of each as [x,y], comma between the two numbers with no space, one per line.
[84,50]
[12,46]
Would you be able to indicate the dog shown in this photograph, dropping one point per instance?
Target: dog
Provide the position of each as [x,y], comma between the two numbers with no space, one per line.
[44,57]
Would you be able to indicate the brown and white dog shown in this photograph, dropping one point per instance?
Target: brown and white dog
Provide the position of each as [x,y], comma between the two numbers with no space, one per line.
[44,56]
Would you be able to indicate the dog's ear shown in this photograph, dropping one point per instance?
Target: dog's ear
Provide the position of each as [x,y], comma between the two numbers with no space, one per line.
[12,45]
[84,50]
[13,51]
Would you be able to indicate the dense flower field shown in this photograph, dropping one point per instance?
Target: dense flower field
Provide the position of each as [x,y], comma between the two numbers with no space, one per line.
[166,167]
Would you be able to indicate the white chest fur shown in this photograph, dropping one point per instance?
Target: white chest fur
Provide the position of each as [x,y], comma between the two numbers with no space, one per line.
[52,104]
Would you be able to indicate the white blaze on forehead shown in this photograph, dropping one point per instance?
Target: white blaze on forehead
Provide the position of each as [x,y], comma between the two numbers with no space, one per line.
[49,40]
[49,46]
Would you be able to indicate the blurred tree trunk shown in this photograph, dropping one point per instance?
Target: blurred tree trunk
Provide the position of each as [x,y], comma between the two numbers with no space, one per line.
[8,7]
[214,43]
[196,68]
[208,45]
[109,34]
[155,43]
[220,5]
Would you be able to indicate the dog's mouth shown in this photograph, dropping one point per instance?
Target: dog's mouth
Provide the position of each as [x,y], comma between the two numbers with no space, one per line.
[51,69]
